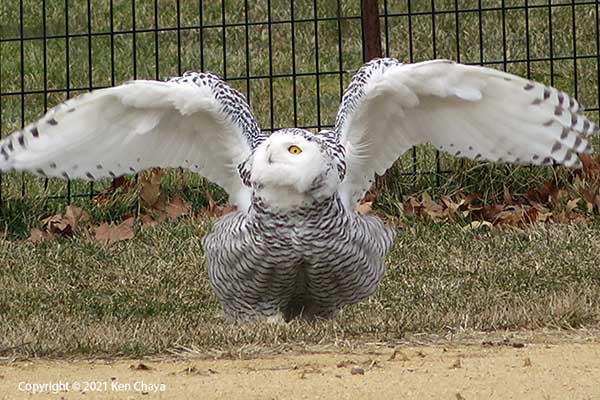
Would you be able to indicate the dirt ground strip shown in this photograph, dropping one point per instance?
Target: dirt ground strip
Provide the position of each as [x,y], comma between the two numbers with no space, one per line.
[502,370]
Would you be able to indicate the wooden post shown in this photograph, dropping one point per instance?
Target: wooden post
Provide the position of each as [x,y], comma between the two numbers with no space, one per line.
[371,36]
[371,29]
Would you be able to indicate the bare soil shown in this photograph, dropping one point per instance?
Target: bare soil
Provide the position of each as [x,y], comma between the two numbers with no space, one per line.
[504,369]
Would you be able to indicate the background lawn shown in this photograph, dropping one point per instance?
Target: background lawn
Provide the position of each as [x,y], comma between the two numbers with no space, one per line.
[151,294]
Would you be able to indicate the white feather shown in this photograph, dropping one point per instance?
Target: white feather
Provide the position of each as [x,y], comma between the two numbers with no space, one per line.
[467,111]
[132,127]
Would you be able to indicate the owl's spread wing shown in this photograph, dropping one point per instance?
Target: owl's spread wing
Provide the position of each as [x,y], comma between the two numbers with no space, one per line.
[467,111]
[196,122]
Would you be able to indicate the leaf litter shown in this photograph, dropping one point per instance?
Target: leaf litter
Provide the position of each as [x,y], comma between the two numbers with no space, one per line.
[154,208]
[575,202]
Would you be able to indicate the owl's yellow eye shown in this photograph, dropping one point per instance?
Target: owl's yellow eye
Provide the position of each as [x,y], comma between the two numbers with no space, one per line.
[294,149]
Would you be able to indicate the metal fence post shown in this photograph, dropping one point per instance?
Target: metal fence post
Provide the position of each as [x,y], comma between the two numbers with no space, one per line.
[371,29]
[371,37]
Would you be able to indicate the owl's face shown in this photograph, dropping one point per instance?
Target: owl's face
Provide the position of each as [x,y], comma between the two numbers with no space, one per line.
[292,168]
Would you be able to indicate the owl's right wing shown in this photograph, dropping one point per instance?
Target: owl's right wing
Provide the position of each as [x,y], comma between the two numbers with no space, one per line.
[196,122]
[468,111]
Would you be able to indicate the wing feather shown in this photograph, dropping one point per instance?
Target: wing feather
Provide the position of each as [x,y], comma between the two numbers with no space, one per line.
[467,111]
[196,122]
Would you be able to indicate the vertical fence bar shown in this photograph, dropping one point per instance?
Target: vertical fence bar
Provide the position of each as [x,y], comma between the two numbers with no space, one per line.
[111,27]
[111,24]
[134,39]
[90,67]
[371,29]
[156,43]
[22,71]
[201,19]
[68,75]
[45,71]
[597,14]
[504,60]
[45,58]
[270,42]
[480,22]
[551,42]
[438,163]
[317,73]
[340,51]
[457,30]
[178,11]
[224,39]
[574,32]
[247,45]
[1,97]
[411,59]
[527,40]
[386,28]
[371,37]
[294,80]
[504,45]
[89,46]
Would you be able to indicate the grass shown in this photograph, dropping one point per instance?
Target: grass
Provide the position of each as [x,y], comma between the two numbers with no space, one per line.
[151,294]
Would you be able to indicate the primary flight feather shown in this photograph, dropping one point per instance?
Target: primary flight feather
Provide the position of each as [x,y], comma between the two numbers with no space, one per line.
[295,246]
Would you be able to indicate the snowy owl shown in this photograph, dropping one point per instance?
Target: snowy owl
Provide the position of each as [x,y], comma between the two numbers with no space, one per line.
[295,246]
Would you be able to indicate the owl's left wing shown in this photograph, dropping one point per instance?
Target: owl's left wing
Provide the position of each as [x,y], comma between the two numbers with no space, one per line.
[467,111]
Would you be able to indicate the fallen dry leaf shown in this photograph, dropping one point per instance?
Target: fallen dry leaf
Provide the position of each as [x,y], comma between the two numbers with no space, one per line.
[110,234]
[477,225]
[177,208]
[58,225]
[572,204]
[119,182]
[507,196]
[74,219]
[37,236]
[149,182]
[77,217]
[547,203]
[147,220]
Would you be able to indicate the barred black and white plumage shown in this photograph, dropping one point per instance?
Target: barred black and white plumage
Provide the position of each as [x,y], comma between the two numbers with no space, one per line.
[310,261]
[296,246]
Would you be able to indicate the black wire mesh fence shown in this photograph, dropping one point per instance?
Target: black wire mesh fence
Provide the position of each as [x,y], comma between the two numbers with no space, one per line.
[292,59]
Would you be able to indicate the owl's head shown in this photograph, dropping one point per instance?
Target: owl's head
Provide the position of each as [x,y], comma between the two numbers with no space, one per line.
[292,167]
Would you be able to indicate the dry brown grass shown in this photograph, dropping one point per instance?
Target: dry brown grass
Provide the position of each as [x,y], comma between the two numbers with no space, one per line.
[151,294]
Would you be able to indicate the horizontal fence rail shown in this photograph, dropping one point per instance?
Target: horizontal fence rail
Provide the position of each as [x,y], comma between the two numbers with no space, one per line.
[292,59]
